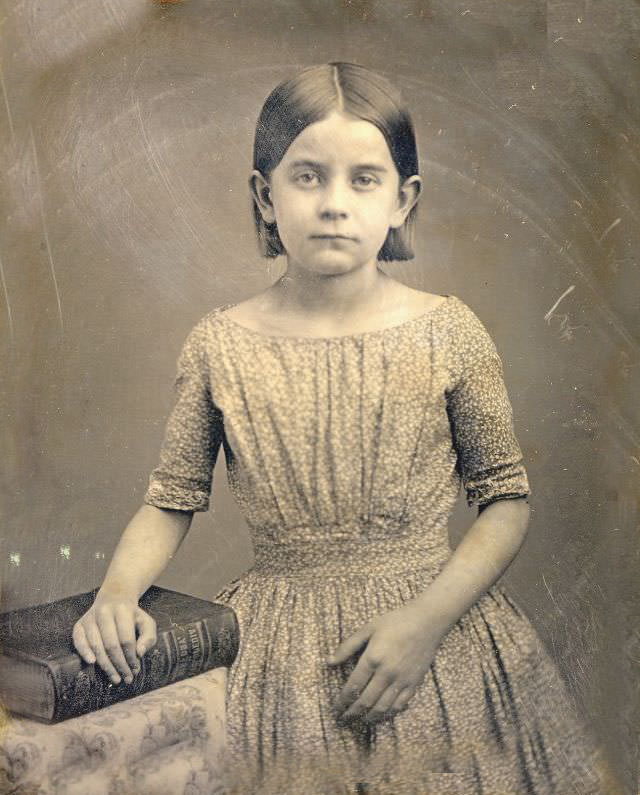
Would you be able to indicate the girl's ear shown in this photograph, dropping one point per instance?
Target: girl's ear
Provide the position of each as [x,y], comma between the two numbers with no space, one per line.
[261,192]
[408,195]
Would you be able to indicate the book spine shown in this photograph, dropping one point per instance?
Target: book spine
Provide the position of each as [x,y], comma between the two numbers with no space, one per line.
[224,639]
[180,652]
[30,689]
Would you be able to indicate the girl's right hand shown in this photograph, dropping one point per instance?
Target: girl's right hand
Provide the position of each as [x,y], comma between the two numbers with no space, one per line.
[106,634]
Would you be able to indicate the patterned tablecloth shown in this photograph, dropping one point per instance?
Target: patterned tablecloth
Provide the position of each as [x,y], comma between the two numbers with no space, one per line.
[167,742]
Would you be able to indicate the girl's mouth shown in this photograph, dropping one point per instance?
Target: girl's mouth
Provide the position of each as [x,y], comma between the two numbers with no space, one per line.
[334,237]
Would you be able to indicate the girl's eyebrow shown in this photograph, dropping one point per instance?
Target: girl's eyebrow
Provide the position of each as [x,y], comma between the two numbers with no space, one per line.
[358,167]
[371,167]
[306,164]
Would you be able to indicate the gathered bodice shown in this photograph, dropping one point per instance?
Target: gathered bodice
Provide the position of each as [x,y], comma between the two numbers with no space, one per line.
[343,436]
[356,438]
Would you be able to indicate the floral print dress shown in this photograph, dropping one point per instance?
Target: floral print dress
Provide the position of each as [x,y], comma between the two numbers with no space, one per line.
[346,455]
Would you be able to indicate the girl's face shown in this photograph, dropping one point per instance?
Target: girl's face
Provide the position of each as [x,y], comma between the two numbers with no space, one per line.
[335,194]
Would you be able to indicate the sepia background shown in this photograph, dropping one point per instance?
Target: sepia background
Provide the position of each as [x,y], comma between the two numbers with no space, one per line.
[126,133]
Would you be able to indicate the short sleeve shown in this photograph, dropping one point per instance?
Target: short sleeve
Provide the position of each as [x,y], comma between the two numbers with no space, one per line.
[489,460]
[193,434]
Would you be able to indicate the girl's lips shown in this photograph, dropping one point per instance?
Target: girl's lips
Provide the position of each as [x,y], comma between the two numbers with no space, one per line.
[333,237]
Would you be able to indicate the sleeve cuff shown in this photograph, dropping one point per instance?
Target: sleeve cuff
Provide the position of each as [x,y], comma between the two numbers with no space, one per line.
[496,486]
[177,499]
[498,497]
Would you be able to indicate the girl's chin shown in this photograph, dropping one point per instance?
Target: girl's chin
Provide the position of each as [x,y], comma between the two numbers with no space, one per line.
[331,262]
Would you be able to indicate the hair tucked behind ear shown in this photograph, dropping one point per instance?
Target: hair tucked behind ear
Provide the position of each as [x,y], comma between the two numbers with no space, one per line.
[311,96]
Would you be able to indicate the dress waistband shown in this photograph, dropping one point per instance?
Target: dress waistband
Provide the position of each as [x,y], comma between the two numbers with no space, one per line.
[335,555]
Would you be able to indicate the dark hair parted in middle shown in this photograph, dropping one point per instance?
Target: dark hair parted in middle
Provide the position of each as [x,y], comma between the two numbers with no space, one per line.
[311,96]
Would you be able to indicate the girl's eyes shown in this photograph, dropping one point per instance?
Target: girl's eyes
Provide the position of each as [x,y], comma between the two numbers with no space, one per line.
[307,178]
[365,180]
[310,178]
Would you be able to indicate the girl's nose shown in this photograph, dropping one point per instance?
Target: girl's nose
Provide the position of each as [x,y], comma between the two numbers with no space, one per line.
[334,202]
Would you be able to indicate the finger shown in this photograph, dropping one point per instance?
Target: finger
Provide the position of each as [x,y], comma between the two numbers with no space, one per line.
[368,697]
[356,683]
[403,699]
[383,708]
[109,633]
[350,645]
[127,636]
[82,644]
[146,627]
[95,640]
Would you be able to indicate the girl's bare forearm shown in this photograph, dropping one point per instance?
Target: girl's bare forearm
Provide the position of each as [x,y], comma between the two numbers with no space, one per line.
[147,545]
[483,555]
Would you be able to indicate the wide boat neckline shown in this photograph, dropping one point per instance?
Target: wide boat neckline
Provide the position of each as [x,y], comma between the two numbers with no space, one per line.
[222,315]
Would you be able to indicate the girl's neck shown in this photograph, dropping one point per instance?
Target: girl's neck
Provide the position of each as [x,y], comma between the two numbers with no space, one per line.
[344,295]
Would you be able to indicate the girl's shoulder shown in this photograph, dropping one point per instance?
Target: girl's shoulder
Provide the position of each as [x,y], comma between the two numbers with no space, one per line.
[467,319]
[207,322]
[462,324]
[213,315]
[470,344]
[198,340]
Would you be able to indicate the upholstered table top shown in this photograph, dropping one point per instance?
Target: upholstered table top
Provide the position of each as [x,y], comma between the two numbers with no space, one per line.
[167,742]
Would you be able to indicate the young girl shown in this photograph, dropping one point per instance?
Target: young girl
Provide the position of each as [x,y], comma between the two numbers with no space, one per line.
[350,408]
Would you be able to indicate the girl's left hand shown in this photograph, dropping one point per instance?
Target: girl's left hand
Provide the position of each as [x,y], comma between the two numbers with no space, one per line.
[401,646]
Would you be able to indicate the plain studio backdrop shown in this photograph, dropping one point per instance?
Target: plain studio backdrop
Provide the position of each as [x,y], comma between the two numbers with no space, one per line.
[126,144]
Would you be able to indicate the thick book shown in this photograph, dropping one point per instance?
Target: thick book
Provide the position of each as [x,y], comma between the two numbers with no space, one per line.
[43,677]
